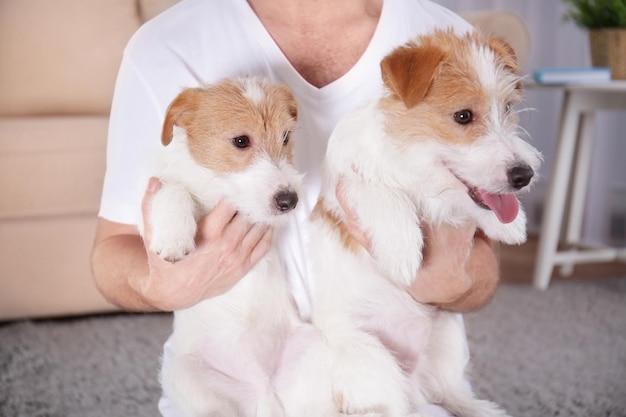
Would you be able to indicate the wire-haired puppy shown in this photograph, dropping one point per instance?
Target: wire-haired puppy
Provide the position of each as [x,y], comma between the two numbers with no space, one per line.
[228,141]
[441,145]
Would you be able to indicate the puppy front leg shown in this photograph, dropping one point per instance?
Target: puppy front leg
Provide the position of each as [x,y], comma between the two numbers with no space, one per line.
[173,222]
[390,219]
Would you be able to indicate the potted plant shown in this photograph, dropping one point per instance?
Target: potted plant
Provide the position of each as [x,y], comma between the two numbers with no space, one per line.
[606,22]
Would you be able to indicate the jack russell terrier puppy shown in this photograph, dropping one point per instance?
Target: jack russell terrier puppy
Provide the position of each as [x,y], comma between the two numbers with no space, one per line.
[233,354]
[441,145]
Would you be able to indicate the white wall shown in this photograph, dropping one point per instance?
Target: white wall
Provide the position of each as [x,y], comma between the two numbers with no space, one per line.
[559,43]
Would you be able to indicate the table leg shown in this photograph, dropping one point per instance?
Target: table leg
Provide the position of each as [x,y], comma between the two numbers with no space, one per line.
[582,166]
[557,191]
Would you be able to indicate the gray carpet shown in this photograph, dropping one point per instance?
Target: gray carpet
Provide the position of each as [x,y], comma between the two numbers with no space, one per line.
[538,354]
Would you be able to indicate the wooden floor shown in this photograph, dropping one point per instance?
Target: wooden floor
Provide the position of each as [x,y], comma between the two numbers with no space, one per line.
[518,262]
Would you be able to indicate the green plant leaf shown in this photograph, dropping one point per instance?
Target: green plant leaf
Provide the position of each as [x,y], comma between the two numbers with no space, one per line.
[595,14]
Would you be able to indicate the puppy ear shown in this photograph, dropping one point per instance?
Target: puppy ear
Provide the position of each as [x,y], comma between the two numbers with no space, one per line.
[505,52]
[179,110]
[287,97]
[409,71]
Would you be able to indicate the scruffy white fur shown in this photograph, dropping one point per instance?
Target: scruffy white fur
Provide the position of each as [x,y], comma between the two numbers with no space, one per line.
[233,354]
[403,161]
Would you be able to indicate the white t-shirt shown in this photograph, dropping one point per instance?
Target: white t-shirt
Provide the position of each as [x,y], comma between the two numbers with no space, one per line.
[199,42]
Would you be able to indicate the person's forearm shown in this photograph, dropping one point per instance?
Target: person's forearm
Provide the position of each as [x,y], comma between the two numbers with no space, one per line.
[115,261]
[484,272]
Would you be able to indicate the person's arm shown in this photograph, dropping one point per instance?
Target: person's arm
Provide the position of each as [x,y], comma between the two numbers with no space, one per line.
[133,278]
[460,271]
[119,258]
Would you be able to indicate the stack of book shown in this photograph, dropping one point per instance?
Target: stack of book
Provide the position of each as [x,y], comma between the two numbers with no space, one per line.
[569,75]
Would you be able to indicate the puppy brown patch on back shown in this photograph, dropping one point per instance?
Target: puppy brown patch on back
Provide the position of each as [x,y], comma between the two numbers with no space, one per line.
[320,212]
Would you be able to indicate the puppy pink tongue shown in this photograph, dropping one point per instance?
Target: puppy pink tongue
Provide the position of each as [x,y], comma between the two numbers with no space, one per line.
[505,206]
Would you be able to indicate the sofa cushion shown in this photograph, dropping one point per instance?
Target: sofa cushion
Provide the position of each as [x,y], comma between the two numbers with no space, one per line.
[51,166]
[44,267]
[150,8]
[62,56]
[51,171]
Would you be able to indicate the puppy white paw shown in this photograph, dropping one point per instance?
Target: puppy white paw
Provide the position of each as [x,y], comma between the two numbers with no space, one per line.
[401,259]
[173,224]
[172,249]
[513,233]
[399,245]
[390,219]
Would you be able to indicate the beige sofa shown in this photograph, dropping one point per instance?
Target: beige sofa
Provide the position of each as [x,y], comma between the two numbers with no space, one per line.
[58,62]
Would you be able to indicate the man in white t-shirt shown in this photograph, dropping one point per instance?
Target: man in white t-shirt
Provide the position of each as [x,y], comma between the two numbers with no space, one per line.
[328,53]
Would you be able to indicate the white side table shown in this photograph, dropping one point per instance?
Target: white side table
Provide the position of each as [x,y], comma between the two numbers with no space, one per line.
[580,102]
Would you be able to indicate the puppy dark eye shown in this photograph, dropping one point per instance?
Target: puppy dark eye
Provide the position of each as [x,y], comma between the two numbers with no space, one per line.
[241,141]
[286,137]
[463,116]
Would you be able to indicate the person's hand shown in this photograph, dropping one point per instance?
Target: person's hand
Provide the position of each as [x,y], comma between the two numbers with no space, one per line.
[482,274]
[443,277]
[459,271]
[227,247]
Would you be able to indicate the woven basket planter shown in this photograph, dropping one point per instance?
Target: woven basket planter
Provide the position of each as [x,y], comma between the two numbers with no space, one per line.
[608,49]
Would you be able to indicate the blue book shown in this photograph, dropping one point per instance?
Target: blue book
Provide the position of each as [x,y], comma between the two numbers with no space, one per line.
[572,75]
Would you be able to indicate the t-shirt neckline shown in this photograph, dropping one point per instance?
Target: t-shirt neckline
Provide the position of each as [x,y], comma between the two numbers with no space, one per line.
[344,84]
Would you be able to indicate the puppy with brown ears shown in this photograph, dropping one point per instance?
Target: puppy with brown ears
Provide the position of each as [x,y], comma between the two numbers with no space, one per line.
[441,145]
[229,141]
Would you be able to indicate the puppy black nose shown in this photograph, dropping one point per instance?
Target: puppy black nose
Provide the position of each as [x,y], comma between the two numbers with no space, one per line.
[286,200]
[520,176]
